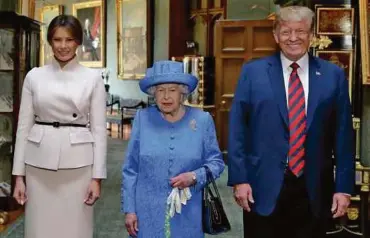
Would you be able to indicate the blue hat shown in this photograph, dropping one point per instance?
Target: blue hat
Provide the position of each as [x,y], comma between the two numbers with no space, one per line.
[167,72]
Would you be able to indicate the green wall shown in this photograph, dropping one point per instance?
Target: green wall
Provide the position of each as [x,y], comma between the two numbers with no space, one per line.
[124,88]
[8,5]
[161,31]
[237,9]
[250,9]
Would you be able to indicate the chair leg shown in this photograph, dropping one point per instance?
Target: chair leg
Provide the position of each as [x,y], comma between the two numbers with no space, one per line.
[118,131]
[122,123]
[109,128]
[121,130]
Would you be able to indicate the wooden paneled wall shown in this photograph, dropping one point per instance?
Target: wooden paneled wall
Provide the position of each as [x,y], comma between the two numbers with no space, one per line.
[179,29]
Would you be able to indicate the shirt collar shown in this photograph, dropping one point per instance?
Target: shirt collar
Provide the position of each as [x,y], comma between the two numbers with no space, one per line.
[302,62]
[68,67]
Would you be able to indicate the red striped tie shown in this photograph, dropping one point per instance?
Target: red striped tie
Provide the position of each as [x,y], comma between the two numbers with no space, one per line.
[297,123]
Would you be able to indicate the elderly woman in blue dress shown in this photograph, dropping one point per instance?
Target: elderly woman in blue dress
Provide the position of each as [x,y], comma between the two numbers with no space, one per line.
[163,172]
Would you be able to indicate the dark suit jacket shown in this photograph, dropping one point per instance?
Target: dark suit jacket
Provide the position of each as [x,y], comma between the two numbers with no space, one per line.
[259,136]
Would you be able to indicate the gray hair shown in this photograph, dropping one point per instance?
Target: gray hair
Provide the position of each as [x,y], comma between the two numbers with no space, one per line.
[184,89]
[294,13]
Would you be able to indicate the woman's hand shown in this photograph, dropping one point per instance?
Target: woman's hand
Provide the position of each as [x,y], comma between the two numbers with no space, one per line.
[20,190]
[183,180]
[93,192]
[131,224]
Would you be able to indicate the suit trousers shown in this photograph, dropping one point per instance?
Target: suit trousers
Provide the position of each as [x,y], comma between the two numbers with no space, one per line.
[291,218]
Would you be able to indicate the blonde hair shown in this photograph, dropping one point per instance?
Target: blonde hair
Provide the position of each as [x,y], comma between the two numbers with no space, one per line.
[294,13]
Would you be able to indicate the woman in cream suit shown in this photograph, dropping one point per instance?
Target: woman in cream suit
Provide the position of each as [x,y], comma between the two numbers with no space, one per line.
[60,152]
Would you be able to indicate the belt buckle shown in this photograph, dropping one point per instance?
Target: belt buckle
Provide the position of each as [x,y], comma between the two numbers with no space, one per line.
[56,124]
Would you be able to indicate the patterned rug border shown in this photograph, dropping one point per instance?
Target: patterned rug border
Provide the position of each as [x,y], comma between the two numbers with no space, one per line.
[15,225]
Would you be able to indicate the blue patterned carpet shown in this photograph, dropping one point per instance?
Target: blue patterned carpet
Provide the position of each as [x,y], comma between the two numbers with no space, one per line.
[109,222]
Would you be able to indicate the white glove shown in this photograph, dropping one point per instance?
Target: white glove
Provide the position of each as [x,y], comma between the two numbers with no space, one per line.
[176,198]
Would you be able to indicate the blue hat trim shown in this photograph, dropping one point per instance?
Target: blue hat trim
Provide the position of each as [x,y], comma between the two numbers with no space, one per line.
[164,72]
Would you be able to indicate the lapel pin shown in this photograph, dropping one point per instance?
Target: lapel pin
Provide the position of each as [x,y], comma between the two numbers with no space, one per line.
[193,125]
[318,73]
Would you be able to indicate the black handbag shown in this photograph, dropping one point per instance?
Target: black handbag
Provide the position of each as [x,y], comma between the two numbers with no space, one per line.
[213,215]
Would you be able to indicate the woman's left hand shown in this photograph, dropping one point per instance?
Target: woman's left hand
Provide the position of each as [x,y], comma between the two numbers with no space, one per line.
[183,180]
[93,192]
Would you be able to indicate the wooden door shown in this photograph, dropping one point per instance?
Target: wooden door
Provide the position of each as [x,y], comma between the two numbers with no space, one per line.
[235,43]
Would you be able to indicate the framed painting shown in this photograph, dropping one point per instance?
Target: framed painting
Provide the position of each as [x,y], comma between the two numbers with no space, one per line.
[46,15]
[31,8]
[19,6]
[334,20]
[91,16]
[342,58]
[134,38]
[364,9]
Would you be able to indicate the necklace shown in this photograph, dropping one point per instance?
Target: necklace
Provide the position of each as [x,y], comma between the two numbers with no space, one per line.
[180,111]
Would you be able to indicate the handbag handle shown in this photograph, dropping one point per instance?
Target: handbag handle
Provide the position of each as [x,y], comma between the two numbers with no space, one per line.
[210,179]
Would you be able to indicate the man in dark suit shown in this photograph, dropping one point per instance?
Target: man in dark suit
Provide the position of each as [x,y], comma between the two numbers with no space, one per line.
[291,112]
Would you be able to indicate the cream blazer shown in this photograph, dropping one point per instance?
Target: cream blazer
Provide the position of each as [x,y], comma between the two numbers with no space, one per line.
[74,94]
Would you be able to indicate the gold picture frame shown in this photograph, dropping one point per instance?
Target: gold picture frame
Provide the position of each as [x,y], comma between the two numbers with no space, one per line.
[19,7]
[364,38]
[31,8]
[92,18]
[338,20]
[342,58]
[132,38]
[46,15]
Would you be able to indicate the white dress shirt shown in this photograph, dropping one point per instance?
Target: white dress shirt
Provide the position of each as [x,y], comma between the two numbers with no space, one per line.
[302,73]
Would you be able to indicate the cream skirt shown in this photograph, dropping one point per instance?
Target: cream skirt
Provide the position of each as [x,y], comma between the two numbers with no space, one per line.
[55,207]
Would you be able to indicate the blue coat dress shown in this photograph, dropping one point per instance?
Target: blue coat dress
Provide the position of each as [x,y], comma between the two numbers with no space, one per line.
[159,150]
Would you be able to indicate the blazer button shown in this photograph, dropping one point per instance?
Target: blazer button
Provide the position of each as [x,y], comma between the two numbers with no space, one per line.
[74,115]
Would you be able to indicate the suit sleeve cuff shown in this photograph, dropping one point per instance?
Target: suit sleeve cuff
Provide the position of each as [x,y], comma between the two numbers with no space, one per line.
[19,169]
[347,194]
[99,174]
[128,209]
[201,179]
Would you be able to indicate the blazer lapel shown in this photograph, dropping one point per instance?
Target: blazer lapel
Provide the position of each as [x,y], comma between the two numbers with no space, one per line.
[77,87]
[74,80]
[314,89]
[277,84]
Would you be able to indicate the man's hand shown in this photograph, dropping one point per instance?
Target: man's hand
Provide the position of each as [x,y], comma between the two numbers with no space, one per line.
[341,202]
[243,195]
[131,224]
